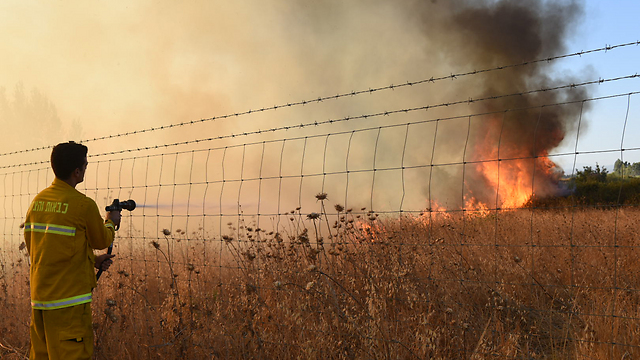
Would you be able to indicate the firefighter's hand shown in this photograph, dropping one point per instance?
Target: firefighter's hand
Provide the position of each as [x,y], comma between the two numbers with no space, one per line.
[115,217]
[103,262]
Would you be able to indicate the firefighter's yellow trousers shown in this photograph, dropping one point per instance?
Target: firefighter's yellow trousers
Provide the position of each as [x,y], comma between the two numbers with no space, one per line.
[61,334]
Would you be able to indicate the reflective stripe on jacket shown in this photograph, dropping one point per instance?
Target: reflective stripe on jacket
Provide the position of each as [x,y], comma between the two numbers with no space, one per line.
[61,229]
[62,303]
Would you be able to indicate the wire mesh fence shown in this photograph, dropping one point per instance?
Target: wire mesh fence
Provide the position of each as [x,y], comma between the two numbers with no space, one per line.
[441,230]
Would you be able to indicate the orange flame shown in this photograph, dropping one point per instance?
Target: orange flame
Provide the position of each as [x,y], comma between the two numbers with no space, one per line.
[371,232]
[476,207]
[511,182]
[436,211]
[508,173]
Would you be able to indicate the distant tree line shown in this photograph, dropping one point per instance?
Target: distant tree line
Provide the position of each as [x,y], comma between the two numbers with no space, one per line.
[596,186]
[32,120]
[625,168]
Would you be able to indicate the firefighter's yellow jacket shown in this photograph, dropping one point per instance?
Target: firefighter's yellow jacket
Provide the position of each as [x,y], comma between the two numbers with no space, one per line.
[61,229]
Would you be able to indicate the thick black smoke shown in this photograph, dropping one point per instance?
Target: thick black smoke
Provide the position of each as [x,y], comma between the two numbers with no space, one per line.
[487,34]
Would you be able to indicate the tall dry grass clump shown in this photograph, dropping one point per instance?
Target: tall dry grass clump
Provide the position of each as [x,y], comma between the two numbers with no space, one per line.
[340,283]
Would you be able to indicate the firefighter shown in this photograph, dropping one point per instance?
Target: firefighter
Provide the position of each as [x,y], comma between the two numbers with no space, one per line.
[61,230]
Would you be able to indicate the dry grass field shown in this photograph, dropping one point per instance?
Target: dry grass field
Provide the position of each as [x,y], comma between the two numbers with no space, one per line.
[525,284]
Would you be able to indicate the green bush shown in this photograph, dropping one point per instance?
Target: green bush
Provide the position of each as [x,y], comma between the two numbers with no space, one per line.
[594,187]
[614,192]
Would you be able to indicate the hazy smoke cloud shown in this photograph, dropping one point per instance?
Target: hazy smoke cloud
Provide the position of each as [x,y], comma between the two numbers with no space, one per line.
[117,67]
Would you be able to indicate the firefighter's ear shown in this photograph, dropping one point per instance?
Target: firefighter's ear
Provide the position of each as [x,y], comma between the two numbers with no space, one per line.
[79,172]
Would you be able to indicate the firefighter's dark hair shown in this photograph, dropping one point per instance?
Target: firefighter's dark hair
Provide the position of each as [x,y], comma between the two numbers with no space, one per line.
[66,158]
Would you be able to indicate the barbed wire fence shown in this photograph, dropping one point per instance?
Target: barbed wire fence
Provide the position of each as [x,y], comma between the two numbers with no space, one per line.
[361,236]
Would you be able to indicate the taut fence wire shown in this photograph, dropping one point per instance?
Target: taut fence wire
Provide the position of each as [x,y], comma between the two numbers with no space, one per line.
[373,115]
[447,233]
[550,59]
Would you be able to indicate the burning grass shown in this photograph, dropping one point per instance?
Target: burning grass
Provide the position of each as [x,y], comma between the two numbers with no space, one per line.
[523,284]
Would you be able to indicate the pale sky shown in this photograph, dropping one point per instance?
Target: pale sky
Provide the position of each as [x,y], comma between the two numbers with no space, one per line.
[608,23]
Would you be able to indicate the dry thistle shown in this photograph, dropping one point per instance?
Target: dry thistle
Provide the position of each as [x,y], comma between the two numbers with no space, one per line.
[227,238]
[313,216]
[166,232]
[250,288]
[321,196]
[155,244]
[111,315]
[310,285]
[22,246]
[304,237]
[312,268]
[249,255]
[338,207]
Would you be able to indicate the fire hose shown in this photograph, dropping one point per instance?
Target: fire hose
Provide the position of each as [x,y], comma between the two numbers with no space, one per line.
[117,205]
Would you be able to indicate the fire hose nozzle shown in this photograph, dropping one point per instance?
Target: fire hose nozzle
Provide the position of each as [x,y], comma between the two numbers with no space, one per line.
[118,205]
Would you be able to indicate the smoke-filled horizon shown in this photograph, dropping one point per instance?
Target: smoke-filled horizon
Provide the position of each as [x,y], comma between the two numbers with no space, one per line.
[84,71]
[504,32]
